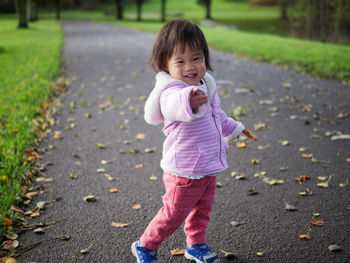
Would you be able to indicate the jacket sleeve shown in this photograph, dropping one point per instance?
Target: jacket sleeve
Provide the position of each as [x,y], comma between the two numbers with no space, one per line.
[175,105]
[231,129]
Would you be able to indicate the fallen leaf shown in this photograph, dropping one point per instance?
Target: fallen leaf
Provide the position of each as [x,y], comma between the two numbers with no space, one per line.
[307,156]
[235,223]
[35,214]
[120,225]
[8,244]
[260,126]
[39,230]
[138,166]
[153,178]
[30,195]
[241,145]
[8,260]
[101,170]
[102,146]
[86,250]
[178,251]
[238,176]
[239,111]
[11,235]
[284,143]
[113,190]
[7,221]
[289,207]
[335,248]
[57,135]
[325,184]
[150,150]
[314,160]
[344,184]
[109,178]
[305,236]
[254,161]
[89,198]
[229,255]
[260,253]
[316,222]
[252,191]
[140,136]
[136,206]
[307,192]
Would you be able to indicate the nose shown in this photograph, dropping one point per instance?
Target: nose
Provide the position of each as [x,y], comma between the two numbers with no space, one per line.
[189,66]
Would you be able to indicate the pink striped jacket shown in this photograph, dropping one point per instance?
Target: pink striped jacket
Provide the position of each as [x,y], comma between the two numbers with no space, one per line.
[195,143]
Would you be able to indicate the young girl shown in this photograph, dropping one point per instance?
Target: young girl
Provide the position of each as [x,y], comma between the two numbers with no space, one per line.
[197,132]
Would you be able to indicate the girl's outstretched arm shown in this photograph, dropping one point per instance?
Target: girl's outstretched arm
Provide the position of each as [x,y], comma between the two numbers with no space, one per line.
[175,104]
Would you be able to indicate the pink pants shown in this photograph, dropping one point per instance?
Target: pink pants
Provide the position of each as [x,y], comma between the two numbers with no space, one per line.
[189,200]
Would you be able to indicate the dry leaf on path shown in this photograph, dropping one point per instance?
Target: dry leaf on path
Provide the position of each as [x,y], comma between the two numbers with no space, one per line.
[316,222]
[8,260]
[289,207]
[136,206]
[305,236]
[335,248]
[120,225]
[140,136]
[229,255]
[178,251]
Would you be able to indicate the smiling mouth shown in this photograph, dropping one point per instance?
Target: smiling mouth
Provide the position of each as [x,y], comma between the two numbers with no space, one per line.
[191,76]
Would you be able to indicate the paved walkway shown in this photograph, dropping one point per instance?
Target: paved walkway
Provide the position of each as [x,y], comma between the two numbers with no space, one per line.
[108,77]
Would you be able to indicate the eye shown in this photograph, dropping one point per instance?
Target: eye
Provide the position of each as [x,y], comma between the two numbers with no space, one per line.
[179,62]
[197,58]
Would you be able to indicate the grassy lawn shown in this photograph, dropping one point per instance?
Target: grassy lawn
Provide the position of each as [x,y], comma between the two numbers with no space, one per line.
[28,66]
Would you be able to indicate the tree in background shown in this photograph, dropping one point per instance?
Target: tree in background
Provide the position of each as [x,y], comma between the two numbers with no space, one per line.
[58,9]
[319,19]
[22,12]
[33,10]
[139,9]
[207,5]
[119,9]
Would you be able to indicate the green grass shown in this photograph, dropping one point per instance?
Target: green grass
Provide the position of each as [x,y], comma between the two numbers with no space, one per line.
[28,66]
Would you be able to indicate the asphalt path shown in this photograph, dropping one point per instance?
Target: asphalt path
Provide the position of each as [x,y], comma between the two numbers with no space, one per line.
[108,77]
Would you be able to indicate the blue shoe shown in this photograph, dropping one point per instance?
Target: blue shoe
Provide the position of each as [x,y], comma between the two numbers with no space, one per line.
[201,254]
[143,254]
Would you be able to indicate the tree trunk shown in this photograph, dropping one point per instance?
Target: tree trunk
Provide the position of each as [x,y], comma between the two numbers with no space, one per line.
[58,9]
[284,6]
[337,21]
[139,10]
[308,19]
[21,6]
[163,10]
[207,6]
[33,11]
[119,9]
[323,21]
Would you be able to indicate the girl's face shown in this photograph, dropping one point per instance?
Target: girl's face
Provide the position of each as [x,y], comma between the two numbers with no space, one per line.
[187,66]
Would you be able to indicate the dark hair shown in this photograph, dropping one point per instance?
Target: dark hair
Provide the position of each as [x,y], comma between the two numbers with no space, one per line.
[177,34]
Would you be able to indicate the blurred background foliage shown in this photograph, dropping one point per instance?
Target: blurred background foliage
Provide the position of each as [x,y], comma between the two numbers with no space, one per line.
[320,20]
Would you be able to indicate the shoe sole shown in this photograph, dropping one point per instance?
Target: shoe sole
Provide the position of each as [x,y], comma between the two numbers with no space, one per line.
[134,252]
[190,257]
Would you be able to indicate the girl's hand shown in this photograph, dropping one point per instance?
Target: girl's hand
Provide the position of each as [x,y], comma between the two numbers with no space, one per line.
[197,100]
